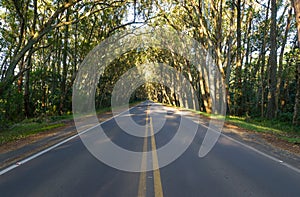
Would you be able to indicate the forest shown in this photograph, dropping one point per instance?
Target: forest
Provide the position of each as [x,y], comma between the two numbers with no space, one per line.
[254,45]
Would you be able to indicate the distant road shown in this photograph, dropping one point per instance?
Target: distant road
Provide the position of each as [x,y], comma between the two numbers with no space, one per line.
[230,169]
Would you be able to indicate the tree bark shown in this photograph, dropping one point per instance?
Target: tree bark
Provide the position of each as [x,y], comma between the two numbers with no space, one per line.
[229,59]
[65,67]
[263,62]
[27,105]
[272,62]
[238,71]
[296,4]
[280,68]
[246,75]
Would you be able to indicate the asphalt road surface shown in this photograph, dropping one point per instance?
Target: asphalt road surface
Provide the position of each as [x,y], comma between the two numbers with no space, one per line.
[230,169]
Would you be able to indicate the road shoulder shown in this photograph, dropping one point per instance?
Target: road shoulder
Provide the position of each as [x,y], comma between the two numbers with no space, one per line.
[264,142]
[12,152]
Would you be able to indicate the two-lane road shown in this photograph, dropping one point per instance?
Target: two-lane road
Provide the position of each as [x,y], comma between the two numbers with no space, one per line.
[230,169]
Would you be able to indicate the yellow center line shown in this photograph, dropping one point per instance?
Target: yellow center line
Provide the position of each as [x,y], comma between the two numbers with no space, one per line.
[142,182]
[156,173]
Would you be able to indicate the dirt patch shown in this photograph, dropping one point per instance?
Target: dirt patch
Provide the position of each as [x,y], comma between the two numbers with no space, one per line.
[278,142]
[269,138]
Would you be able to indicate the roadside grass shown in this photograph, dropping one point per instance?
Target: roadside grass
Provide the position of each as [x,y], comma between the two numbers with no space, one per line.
[24,129]
[294,140]
[33,126]
[283,130]
[263,125]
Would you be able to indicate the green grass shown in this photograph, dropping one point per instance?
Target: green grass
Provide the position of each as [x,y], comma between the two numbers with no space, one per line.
[283,130]
[23,130]
[294,140]
[263,125]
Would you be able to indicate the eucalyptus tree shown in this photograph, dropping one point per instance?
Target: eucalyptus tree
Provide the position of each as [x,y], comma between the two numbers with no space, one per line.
[51,38]
[272,62]
[296,4]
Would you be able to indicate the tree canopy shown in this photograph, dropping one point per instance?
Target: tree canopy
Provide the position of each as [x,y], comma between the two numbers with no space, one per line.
[254,45]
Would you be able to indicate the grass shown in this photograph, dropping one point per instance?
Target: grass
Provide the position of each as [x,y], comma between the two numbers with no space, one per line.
[25,129]
[294,140]
[283,130]
[263,125]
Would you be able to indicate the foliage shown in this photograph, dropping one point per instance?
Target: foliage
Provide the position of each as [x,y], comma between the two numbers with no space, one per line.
[42,44]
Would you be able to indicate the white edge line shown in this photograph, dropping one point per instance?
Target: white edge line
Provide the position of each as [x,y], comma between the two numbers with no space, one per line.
[249,147]
[255,150]
[59,143]
[76,135]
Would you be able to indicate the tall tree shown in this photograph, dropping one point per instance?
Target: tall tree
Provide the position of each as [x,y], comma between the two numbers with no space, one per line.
[39,51]
[296,4]
[281,58]
[272,63]
[263,61]
[238,72]
[65,65]
[22,48]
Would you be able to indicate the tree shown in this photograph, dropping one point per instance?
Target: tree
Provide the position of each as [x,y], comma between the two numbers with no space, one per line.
[42,44]
[22,49]
[296,4]
[281,58]
[272,63]
[262,60]
[238,72]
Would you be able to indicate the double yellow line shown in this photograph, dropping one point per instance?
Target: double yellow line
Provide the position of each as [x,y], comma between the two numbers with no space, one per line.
[156,173]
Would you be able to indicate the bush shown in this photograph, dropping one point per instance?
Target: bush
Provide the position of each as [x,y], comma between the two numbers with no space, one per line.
[285,117]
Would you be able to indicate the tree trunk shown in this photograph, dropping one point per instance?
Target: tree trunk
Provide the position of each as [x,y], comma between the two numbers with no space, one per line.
[272,62]
[263,62]
[297,99]
[280,69]
[27,106]
[246,93]
[296,4]
[65,67]
[229,60]
[20,80]
[205,89]
[238,71]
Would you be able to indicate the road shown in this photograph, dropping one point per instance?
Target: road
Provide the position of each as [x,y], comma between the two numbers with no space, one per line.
[230,169]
